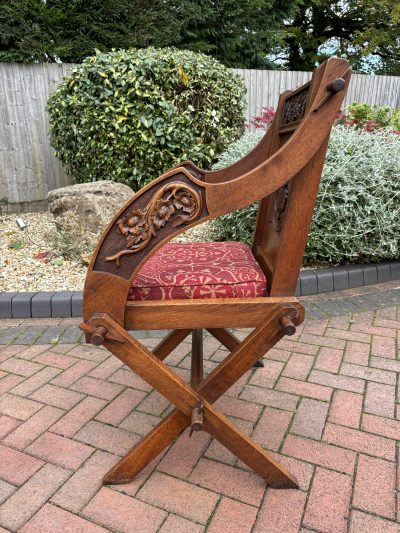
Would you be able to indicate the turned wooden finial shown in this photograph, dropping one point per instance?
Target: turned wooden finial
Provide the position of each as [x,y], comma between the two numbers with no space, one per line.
[333,87]
[336,85]
[96,335]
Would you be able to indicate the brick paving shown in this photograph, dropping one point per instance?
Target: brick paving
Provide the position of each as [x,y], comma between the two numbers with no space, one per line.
[326,404]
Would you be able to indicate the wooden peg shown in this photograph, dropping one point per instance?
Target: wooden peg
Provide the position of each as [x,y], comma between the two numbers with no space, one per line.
[94,335]
[336,85]
[287,325]
[98,335]
[333,87]
[197,421]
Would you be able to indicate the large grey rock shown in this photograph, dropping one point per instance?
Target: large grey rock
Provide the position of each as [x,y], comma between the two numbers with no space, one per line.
[91,204]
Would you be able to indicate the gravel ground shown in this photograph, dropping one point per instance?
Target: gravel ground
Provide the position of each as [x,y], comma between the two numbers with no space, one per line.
[21,270]
[25,269]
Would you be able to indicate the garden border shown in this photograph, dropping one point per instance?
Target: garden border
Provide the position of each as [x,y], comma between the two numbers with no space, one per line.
[66,304]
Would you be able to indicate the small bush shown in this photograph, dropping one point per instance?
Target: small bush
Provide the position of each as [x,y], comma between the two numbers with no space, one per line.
[370,118]
[239,225]
[129,115]
[238,149]
[264,120]
[357,214]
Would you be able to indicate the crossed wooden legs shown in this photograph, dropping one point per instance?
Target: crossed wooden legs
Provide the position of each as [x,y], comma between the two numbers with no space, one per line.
[150,367]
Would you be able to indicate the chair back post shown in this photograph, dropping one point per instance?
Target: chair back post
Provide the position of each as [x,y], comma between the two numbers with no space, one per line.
[284,217]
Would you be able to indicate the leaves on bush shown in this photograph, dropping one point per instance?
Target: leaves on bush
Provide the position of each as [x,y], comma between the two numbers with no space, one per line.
[130,115]
[357,213]
[370,118]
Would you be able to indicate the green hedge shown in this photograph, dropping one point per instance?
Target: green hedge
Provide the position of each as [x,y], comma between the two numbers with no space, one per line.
[357,214]
[129,115]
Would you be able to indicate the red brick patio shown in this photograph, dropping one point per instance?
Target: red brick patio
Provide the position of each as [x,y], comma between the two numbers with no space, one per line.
[325,403]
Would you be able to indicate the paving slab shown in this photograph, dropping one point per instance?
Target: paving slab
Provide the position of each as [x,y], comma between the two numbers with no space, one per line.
[324,405]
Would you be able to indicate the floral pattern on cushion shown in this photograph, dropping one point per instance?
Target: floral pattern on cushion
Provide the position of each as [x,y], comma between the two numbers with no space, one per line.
[200,270]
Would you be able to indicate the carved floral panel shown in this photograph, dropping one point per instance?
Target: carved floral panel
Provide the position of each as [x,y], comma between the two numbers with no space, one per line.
[175,203]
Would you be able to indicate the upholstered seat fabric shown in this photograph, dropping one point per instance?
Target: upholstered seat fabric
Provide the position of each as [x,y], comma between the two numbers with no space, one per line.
[200,270]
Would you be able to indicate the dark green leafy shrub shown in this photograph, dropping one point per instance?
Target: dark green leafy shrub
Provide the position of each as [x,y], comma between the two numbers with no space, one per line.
[131,114]
[357,214]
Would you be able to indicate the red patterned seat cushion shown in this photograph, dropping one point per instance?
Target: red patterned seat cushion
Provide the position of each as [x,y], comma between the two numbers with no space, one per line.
[199,270]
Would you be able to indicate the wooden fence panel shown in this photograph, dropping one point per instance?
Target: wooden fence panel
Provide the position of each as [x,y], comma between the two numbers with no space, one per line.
[28,168]
[264,87]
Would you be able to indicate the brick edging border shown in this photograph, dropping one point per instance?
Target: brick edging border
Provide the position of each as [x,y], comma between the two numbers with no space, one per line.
[66,304]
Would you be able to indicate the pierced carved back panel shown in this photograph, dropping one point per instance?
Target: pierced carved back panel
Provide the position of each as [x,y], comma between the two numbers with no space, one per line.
[294,109]
[291,113]
[279,202]
[147,221]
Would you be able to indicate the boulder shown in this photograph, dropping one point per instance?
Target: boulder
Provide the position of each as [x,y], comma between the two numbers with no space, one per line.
[91,204]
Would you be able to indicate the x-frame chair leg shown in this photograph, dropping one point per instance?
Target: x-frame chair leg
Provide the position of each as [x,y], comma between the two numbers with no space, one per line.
[170,342]
[225,337]
[230,342]
[186,399]
[173,339]
[196,370]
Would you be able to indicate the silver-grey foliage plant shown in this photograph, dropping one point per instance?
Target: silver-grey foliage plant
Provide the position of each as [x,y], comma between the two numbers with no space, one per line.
[357,213]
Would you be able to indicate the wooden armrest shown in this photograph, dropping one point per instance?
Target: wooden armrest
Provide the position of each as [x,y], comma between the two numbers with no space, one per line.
[197,172]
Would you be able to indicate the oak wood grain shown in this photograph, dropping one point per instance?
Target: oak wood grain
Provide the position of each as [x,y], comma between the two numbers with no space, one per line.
[201,313]
[170,342]
[196,369]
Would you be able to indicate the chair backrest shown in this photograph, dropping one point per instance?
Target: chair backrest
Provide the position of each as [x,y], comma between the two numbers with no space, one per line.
[284,217]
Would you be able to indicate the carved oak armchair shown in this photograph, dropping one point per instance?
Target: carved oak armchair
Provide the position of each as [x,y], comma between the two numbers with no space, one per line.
[136,281]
